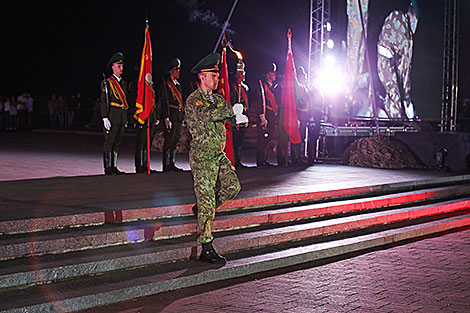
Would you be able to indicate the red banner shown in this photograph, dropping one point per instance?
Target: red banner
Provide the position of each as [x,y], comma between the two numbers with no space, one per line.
[145,93]
[289,114]
[224,90]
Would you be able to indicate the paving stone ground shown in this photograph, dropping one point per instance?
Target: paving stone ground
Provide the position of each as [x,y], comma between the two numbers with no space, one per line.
[426,276]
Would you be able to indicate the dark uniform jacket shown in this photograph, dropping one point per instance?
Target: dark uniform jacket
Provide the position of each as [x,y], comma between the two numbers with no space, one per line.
[302,102]
[170,102]
[270,104]
[239,94]
[114,98]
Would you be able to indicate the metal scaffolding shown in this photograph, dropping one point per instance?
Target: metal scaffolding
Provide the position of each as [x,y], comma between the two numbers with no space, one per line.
[319,16]
[450,68]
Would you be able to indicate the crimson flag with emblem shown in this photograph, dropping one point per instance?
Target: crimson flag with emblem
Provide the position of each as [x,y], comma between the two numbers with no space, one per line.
[145,93]
[224,90]
[289,112]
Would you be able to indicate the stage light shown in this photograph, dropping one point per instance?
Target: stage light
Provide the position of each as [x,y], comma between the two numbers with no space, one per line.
[330,79]
[330,44]
[329,61]
[328,26]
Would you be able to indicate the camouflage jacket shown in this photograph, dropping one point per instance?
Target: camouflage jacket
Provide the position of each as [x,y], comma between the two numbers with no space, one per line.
[205,118]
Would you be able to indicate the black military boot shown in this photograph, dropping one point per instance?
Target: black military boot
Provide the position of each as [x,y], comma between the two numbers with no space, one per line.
[166,161]
[114,161]
[145,162]
[208,254]
[194,209]
[173,160]
[139,162]
[107,163]
[295,154]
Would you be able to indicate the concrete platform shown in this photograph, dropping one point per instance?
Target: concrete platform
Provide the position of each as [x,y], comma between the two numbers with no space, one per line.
[69,165]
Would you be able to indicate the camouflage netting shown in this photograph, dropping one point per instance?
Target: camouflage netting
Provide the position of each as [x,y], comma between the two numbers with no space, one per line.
[181,147]
[380,152]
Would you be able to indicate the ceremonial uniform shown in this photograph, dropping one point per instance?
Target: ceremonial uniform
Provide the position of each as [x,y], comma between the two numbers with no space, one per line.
[239,94]
[113,109]
[206,114]
[302,103]
[171,105]
[267,106]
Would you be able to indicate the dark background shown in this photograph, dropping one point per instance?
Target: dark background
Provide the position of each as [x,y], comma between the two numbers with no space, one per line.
[62,47]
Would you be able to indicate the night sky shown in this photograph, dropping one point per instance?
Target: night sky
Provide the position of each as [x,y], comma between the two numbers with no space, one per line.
[62,47]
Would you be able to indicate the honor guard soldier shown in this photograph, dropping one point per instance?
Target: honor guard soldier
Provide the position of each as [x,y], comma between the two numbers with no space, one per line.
[302,103]
[172,114]
[239,94]
[114,113]
[267,112]
[206,113]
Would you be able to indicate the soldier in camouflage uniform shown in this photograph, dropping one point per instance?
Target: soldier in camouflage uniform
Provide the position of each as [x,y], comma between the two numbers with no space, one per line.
[206,113]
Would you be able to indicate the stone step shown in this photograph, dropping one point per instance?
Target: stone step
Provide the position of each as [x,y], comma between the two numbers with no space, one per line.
[57,221]
[89,292]
[56,267]
[93,237]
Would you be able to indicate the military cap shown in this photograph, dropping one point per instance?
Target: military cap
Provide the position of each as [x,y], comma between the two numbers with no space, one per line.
[270,67]
[208,64]
[117,58]
[174,63]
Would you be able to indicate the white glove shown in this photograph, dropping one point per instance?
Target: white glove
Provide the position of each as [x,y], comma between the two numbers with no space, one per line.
[106,123]
[264,121]
[238,110]
[167,123]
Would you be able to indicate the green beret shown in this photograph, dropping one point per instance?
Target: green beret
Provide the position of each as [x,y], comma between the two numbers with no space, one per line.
[117,58]
[208,64]
[174,63]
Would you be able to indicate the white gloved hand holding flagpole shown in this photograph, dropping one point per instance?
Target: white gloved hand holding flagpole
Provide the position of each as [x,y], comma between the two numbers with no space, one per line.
[239,116]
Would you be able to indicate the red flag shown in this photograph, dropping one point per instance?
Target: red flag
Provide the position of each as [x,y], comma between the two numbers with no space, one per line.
[289,114]
[224,90]
[145,93]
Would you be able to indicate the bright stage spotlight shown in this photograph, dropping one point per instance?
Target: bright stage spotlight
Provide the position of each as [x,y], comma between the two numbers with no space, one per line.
[330,43]
[328,26]
[330,79]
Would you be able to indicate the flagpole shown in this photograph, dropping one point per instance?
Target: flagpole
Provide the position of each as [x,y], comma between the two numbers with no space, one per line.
[225,25]
[148,145]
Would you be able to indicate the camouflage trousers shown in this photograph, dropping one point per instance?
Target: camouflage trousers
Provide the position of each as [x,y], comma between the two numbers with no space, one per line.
[215,182]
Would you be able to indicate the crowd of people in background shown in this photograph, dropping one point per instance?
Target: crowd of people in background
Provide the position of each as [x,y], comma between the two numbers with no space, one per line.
[23,112]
